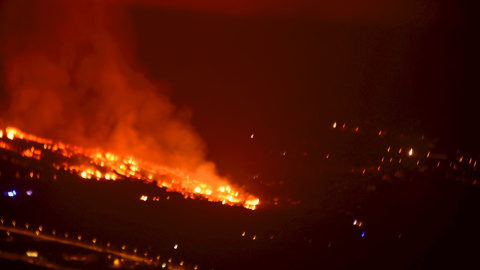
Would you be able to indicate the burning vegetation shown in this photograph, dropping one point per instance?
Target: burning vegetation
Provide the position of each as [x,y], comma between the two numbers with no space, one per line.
[101,165]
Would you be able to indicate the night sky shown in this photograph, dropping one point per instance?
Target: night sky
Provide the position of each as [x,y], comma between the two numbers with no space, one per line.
[282,75]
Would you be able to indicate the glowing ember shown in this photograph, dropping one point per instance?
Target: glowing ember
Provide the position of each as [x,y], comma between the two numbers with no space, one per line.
[108,166]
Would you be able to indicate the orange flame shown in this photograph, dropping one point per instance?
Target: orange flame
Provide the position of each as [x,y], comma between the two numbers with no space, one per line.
[116,167]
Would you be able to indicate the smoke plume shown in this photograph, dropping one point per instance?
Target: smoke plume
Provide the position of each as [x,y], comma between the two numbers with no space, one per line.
[70,73]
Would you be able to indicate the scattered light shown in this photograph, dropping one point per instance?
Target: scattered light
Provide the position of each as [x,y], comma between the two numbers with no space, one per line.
[334,124]
[175,247]
[354,222]
[243,234]
[12,193]
[116,262]
[410,152]
[400,150]
[251,136]
[428,154]
[254,237]
[29,192]
[164,265]
[144,198]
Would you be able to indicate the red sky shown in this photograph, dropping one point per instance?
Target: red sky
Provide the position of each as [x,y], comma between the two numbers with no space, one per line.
[369,11]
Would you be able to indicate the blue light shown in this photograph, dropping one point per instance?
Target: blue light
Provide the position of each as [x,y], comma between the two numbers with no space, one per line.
[363,234]
[12,193]
[29,192]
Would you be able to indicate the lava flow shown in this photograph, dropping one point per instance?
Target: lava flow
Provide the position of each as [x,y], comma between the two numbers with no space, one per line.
[98,164]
